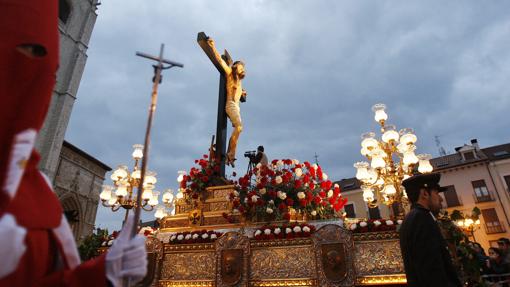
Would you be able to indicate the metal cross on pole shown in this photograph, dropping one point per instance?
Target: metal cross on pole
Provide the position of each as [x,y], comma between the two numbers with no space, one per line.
[154,99]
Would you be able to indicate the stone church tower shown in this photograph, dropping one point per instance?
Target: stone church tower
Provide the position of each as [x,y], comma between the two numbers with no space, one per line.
[77,177]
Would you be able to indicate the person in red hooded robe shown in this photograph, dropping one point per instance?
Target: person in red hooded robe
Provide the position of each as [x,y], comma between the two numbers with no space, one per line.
[36,244]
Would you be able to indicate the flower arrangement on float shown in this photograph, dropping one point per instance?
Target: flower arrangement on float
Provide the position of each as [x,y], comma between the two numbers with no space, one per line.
[372,225]
[286,190]
[148,231]
[206,174]
[201,236]
[295,230]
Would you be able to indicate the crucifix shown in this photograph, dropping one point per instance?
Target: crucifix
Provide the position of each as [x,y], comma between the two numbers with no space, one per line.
[230,94]
[156,80]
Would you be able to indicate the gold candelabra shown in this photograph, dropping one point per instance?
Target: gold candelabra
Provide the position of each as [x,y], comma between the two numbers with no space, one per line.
[122,192]
[169,199]
[390,161]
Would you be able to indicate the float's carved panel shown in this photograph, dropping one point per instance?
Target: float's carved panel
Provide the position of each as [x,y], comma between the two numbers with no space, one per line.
[189,266]
[277,263]
[378,258]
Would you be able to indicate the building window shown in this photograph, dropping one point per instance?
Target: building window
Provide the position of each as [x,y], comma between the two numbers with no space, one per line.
[469,155]
[349,210]
[64,10]
[450,196]
[492,223]
[493,243]
[481,192]
[374,213]
[507,181]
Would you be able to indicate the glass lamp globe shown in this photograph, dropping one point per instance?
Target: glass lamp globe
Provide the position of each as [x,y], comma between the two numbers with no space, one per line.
[407,136]
[368,194]
[150,178]
[389,189]
[137,151]
[160,212]
[120,173]
[112,201]
[121,190]
[147,194]
[378,160]
[154,199]
[181,174]
[106,193]
[390,134]
[380,113]
[362,172]
[137,174]
[368,141]
[372,176]
[168,196]
[424,165]
[409,156]
[179,195]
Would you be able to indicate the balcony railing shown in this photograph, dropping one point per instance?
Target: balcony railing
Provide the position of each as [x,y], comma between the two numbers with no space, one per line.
[484,197]
[494,227]
[452,203]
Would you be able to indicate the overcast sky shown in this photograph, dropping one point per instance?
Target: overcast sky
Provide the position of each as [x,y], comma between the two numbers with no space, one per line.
[314,70]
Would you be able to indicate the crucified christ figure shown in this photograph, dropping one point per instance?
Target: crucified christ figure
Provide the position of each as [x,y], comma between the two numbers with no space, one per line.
[233,75]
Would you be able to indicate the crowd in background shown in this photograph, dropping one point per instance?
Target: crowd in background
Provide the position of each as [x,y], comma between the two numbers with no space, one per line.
[496,262]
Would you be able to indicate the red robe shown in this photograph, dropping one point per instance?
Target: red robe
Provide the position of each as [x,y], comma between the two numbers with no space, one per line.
[26,84]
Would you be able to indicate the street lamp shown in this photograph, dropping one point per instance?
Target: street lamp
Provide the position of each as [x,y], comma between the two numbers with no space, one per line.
[122,193]
[468,225]
[391,160]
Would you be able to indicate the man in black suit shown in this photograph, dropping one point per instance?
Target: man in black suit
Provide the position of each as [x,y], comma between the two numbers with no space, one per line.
[427,261]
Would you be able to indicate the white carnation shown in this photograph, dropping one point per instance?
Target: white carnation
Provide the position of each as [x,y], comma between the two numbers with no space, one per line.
[262,191]
[236,193]
[399,221]
[277,230]
[110,242]
[324,176]
[295,161]
[288,230]
[267,231]
[279,163]
[377,223]
[330,193]
[336,185]
[363,224]
[315,166]
[297,229]
[313,213]
[299,172]
[270,201]
[195,236]
[259,165]
[269,210]
[180,237]
[389,222]
[254,198]
[353,226]
[173,237]
[188,237]
[301,195]
[278,179]
[213,236]
[104,243]
[246,200]
[205,235]
[306,229]
[258,232]
[282,195]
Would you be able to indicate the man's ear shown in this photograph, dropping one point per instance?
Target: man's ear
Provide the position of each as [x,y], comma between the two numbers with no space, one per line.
[424,193]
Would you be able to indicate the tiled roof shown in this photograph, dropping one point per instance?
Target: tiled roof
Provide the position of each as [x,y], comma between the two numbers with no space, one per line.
[348,184]
[497,152]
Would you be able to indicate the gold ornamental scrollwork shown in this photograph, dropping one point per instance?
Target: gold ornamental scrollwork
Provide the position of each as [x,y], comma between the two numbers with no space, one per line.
[378,257]
[334,247]
[189,266]
[375,236]
[277,263]
[232,255]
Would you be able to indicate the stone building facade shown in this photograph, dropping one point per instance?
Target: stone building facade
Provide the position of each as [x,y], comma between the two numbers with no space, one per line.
[474,176]
[78,182]
[77,19]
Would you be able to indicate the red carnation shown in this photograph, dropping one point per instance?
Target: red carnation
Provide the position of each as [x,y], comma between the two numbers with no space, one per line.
[302,202]
[282,206]
[317,200]
[290,202]
[322,194]
[298,184]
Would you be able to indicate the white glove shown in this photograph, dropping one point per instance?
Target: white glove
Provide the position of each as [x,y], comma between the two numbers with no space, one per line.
[12,237]
[127,258]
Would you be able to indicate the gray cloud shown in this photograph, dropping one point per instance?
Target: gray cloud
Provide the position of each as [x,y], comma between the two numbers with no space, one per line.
[314,69]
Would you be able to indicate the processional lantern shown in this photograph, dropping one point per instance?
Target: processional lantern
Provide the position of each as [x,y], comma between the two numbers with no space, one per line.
[391,160]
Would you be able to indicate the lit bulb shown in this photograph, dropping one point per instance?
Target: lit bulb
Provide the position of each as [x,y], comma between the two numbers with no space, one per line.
[407,136]
[138,151]
[112,201]
[390,134]
[380,114]
[362,172]
[150,178]
[179,195]
[106,194]
[153,201]
[378,160]
[368,194]
[389,189]
[181,174]
[120,173]
[368,141]
[168,196]
[136,174]
[147,194]
[121,190]
[424,163]
[160,212]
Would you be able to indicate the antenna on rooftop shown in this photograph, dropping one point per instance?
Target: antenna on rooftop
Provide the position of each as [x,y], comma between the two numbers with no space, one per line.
[442,151]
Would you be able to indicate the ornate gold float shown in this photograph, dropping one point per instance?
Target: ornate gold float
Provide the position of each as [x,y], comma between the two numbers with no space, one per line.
[331,256]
